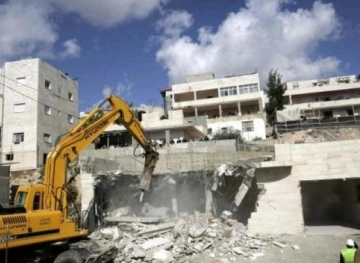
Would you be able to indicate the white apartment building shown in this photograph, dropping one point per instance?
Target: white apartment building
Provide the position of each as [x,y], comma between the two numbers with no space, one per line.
[172,129]
[38,103]
[322,98]
[229,103]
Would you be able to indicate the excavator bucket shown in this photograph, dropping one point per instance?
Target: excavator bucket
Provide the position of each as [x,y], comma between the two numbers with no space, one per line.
[150,163]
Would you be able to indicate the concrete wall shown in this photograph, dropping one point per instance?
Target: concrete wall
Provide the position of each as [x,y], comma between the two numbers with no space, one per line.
[16,92]
[177,157]
[280,209]
[33,121]
[57,98]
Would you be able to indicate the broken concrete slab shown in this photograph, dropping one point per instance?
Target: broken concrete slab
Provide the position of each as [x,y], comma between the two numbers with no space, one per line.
[158,228]
[155,242]
[137,252]
[197,230]
[239,251]
[163,255]
[128,219]
[279,244]
[296,247]
[225,215]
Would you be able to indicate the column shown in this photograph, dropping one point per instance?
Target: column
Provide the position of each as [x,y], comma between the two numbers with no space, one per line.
[167,137]
[239,108]
[290,99]
[261,109]
[196,112]
[261,106]
[220,111]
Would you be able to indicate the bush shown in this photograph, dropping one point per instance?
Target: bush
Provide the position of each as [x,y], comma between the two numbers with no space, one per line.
[164,117]
[230,134]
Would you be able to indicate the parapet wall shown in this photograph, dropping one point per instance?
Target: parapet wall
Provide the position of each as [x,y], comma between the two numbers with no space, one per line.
[182,157]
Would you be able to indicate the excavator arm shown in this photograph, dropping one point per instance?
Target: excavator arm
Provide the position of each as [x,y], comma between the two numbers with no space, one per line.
[83,134]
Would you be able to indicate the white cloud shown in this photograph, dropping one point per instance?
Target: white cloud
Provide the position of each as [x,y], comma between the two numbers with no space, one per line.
[263,36]
[122,89]
[27,30]
[72,49]
[175,23]
[110,12]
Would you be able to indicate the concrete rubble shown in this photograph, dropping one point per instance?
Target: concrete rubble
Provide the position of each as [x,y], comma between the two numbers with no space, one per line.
[155,235]
[179,239]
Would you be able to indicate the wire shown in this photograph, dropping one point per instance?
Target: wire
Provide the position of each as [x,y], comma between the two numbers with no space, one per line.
[44,92]
[38,101]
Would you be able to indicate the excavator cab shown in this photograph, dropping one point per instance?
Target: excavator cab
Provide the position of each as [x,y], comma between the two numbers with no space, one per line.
[39,215]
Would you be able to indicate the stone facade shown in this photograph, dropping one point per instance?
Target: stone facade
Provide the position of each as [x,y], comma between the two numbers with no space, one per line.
[39,103]
[280,209]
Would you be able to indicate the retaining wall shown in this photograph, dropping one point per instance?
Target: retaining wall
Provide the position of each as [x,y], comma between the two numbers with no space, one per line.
[279,210]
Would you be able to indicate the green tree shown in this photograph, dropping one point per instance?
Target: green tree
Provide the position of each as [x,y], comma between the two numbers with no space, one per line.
[275,92]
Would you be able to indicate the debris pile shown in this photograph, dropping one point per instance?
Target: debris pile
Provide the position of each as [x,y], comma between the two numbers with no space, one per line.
[152,240]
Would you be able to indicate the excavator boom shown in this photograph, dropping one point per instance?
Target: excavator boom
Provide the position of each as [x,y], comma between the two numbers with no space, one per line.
[39,214]
[83,134]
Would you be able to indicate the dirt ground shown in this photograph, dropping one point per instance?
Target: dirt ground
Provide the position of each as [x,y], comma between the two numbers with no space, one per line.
[321,249]
[313,135]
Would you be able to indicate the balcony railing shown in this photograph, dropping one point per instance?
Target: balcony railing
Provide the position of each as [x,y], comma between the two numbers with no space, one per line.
[331,123]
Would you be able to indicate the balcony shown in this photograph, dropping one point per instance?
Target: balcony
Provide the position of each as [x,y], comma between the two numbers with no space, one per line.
[217,101]
[235,118]
[324,88]
[326,104]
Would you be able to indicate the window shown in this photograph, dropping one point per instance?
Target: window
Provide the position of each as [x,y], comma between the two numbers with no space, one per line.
[70,119]
[228,91]
[20,82]
[9,157]
[47,84]
[18,137]
[44,158]
[249,88]
[19,107]
[350,112]
[47,110]
[247,126]
[71,96]
[224,130]
[20,198]
[209,131]
[36,201]
[47,138]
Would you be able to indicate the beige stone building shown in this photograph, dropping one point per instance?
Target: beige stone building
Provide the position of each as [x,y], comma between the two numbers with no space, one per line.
[227,103]
[38,103]
[322,98]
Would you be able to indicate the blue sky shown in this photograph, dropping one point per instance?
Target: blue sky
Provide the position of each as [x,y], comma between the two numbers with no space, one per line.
[135,48]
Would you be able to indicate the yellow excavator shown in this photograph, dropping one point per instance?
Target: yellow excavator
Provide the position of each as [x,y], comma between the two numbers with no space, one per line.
[37,227]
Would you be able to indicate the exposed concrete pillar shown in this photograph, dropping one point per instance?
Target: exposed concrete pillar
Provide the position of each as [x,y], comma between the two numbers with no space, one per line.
[244,187]
[108,141]
[195,97]
[196,111]
[290,99]
[209,203]
[167,137]
[261,106]
[220,111]
[239,108]
[174,206]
